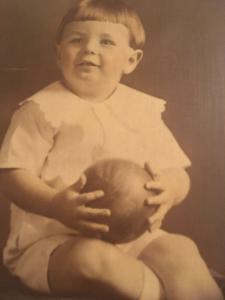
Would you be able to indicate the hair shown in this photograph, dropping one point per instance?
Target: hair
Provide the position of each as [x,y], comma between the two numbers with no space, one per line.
[115,11]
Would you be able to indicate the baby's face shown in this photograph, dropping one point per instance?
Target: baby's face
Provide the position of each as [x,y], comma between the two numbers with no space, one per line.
[93,55]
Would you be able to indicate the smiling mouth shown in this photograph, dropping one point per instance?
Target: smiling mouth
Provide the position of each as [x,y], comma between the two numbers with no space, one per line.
[87,64]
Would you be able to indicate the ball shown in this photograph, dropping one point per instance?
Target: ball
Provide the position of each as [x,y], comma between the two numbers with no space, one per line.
[123,183]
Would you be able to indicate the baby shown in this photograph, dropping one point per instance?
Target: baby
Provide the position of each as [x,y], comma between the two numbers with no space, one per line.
[88,115]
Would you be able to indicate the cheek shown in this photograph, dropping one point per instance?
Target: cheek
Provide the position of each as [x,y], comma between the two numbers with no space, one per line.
[115,61]
[67,56]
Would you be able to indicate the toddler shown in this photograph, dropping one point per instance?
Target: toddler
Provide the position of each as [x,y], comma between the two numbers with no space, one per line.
[54,244]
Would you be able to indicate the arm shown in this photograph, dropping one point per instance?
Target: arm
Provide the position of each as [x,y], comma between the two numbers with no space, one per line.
[28,192]
[172,186]
[67,206]
[172,181]
[25,148]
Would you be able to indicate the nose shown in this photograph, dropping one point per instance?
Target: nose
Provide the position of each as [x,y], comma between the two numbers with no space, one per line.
[90,47]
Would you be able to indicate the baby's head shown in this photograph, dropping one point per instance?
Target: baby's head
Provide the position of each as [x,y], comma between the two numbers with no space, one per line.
[97,42]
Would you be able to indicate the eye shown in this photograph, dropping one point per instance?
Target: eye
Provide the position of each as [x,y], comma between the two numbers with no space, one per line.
[76,40]
[108,42]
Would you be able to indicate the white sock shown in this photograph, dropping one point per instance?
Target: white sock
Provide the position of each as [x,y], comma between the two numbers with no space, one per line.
[152,288]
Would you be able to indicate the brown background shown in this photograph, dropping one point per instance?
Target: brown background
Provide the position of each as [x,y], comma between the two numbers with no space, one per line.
[184,63]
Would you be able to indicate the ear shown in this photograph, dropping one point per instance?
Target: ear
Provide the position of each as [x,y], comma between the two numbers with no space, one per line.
[133,60]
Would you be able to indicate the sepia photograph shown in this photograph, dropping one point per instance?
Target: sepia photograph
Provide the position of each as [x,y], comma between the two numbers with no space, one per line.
[112,150]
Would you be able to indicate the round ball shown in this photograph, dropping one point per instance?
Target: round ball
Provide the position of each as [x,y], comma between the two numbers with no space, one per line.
[124,194]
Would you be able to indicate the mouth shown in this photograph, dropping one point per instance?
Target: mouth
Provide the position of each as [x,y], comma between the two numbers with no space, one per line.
[87,63]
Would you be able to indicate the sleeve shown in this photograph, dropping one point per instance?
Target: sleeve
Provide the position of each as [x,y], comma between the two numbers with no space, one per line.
[163,149]
[28,139]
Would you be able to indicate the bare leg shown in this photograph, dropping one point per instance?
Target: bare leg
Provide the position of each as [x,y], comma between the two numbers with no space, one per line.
[90,267]
[176,260]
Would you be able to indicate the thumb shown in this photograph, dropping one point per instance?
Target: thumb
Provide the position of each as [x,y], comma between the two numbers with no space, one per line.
[79,184]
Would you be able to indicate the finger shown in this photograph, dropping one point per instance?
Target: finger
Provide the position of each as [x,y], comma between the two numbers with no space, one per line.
[156,200]
[156,225]
[154,185]
[159,215]
[151,171]
[79,184]
[83,199]
[90,213]
[89,228]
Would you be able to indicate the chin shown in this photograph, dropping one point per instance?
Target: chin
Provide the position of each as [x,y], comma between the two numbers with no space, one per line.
[79,86]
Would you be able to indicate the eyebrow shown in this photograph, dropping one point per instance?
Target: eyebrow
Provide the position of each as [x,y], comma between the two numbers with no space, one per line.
[76,32]
[107,35]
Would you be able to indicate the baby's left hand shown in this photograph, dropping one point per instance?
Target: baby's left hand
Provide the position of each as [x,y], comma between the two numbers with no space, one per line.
[165,197]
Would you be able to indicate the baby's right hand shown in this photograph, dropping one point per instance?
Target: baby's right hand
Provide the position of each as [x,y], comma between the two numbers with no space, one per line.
[68,207]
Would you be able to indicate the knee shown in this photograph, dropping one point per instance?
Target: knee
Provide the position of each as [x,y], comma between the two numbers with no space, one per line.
[172,250]
[176,245]
[176,259]
[91,259]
